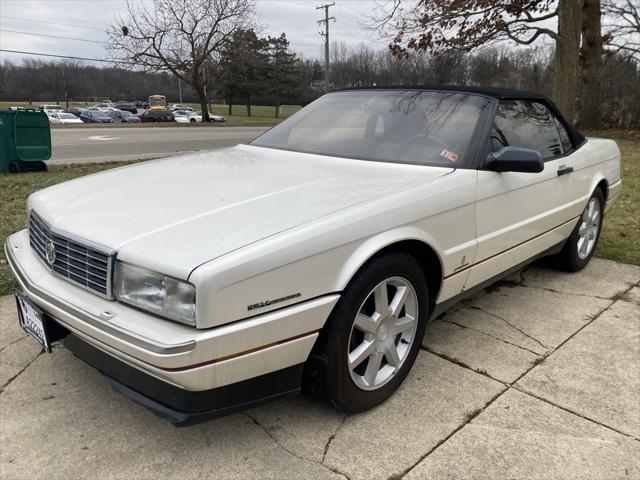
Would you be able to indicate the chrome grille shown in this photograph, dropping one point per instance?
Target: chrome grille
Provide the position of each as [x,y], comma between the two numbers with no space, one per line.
[84,265]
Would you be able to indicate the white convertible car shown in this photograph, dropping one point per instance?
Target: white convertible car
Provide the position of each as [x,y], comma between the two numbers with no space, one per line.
[314,256]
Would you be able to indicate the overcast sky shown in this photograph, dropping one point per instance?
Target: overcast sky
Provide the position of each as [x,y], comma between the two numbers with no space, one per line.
[87,20]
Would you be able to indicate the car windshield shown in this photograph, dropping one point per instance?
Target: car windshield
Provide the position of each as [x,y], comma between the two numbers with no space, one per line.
[124,113]
[405,126]
[67,116]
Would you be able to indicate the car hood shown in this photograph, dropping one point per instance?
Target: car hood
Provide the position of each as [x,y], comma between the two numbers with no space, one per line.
[174,214]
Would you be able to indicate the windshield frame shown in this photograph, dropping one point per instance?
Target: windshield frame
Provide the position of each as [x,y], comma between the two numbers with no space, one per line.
[475,150]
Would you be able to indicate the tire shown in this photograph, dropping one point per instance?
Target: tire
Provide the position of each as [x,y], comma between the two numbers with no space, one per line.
[328,374]
[575,254]
[193,120]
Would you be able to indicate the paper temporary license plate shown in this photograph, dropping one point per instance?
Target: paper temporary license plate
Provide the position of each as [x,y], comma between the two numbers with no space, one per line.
[32,321]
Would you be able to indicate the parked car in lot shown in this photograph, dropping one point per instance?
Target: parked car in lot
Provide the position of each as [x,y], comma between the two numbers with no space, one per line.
[95,116]
[194,117]
[181,116]
[316,254]
[181,107]
[122,116]
[74,111]
[127,107]
[104,107]
[63,118]
[157,116]
[216,118]
[197,117]
[51,108]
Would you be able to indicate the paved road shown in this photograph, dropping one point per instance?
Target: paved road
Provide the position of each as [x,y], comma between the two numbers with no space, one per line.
[99,144]
[537,378]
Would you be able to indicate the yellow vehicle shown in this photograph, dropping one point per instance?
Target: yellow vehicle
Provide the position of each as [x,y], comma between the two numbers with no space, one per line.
[157,102]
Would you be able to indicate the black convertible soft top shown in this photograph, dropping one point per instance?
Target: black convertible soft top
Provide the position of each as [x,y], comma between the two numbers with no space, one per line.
[499,93]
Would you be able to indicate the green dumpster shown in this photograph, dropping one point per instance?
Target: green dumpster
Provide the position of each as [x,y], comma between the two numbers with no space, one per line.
[25,140]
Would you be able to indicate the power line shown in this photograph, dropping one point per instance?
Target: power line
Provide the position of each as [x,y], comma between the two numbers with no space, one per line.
[50,36]
[53,23]
[66,56]
[344,5]
[348,15]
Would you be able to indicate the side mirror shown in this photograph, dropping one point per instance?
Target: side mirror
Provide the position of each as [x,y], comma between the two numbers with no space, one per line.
[516,159]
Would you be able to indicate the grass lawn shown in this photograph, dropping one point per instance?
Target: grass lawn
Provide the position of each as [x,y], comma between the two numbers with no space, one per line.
[260,114]
[620,237]
[619,240]
[14,190]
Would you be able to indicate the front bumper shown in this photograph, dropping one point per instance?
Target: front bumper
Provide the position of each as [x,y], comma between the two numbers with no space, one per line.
[178,406]
[179,356]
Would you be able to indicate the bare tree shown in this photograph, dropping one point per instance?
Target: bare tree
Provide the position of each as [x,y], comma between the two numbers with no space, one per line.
[434,25]
[184,37]
[590,112]
[622,27]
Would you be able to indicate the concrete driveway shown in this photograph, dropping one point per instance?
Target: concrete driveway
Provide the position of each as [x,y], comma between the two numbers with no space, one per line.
[538,377]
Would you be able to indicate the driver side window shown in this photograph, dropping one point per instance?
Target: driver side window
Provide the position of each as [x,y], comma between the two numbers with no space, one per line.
[526,124]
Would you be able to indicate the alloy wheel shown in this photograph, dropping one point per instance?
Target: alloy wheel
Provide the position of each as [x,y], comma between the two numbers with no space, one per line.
[383,333]
[589,227]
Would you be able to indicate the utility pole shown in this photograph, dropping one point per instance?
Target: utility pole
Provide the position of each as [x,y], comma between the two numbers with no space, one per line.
[326,40]
[205,115]
[180,90]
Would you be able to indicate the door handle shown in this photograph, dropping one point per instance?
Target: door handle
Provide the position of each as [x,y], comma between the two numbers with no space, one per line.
[564,170]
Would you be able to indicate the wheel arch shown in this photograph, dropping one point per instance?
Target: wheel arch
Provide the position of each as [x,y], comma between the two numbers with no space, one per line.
[603,185]
[423,251]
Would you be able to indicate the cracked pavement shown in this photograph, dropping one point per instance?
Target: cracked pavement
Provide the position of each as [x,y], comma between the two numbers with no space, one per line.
[537,377]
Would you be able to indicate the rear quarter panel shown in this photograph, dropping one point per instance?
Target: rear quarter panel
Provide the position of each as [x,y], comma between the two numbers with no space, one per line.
[597,160]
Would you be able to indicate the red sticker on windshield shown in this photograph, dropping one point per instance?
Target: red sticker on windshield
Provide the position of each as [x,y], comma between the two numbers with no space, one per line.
[449,155]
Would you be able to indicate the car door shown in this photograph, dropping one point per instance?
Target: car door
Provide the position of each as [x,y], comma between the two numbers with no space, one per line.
[522,214]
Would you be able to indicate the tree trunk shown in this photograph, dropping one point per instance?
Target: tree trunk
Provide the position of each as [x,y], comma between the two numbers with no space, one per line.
[230,105]
[567,57]
[589,114]
[277,108]
[202,97]
[248,105]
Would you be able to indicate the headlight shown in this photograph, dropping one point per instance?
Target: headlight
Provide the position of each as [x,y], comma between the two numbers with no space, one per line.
[164,296]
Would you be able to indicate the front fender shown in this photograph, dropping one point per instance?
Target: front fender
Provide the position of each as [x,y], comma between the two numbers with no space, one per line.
[371,246]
